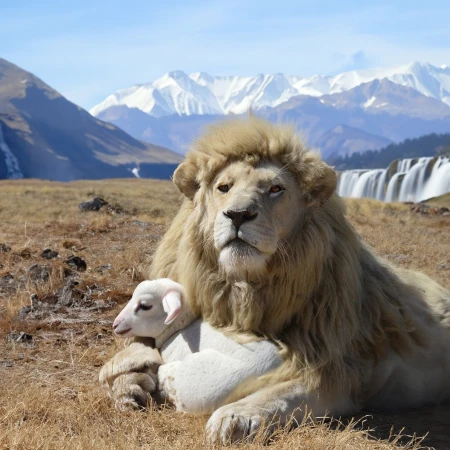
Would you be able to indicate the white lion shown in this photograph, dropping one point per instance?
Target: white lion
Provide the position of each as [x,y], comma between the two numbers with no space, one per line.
[262,246]
[200,382]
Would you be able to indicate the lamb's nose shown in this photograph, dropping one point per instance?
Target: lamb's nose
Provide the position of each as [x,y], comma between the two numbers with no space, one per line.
[117,322]
[239,217]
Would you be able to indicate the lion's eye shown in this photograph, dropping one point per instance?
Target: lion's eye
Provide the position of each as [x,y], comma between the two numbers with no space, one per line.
[145,307]
[223,188]
[276,189]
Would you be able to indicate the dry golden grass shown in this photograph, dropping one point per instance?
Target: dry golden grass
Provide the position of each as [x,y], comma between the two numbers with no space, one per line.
[49,395]
[443,200]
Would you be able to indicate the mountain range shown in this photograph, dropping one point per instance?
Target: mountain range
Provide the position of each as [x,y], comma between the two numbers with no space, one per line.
[200,93]
[347,113]
[43,135]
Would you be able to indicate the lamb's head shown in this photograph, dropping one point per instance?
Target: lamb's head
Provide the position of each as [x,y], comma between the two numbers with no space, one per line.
[154,305]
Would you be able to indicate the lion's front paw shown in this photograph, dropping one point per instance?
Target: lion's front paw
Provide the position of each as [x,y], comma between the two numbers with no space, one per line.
[132,390]
[234,423]
[138,357]
[166,383]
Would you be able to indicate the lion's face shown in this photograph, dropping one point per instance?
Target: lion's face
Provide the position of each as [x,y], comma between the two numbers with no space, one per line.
[252,211]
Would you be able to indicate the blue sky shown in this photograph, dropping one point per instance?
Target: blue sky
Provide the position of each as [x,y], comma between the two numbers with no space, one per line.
[88,49]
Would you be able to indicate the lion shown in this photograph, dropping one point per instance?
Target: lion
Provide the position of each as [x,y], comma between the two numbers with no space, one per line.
[263,248]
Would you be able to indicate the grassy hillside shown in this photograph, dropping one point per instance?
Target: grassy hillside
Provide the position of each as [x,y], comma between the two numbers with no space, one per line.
[50,397]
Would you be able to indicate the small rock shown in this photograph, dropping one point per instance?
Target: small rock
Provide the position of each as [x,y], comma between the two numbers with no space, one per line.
[49,254]
[4,248]
[68,294]
[38,273]
[7,279]
[66,272]
[93,205]
[23,313]
[34,301]
[114,209]
[19,337]
[25,253]
[423,208]
[77,263]
[101,269]
[139,223]
[100,304]
[6,363]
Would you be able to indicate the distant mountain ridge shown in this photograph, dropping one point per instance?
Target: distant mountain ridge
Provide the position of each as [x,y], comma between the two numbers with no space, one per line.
[369,116]
[201,93]
[343,140]
[43,135]
[425,146]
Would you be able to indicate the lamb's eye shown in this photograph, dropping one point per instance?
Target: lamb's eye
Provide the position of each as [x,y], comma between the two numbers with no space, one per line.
[276,189]
[145,307]
[224,188]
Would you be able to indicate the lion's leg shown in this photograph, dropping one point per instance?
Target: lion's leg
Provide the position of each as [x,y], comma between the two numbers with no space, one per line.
[131,375]
[272,407]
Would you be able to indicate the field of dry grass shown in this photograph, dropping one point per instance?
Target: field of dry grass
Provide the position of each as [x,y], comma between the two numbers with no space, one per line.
[49,395]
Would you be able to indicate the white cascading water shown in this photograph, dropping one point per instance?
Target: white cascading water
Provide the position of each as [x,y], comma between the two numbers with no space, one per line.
[414,180]
[12,164]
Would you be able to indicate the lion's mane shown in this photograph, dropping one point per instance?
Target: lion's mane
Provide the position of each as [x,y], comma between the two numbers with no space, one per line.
[333,306]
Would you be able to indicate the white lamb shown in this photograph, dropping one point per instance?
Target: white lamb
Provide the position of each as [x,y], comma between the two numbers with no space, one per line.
[202,366]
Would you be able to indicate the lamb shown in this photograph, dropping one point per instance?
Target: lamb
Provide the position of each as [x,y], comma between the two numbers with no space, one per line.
[154,306]
[194,353]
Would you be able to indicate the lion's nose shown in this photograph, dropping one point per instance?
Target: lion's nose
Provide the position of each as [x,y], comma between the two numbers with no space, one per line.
[239,217]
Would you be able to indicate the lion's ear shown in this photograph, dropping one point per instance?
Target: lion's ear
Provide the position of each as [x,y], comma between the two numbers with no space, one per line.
[185,178]
[322,185]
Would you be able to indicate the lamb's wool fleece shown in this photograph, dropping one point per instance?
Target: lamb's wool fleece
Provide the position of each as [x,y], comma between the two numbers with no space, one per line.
[203,366]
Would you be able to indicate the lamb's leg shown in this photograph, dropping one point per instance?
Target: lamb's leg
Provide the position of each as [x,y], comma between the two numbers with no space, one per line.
[272,407]
[130,376]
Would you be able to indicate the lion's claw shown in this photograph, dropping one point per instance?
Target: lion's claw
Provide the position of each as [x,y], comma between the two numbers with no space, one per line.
[231,424]
[132,390]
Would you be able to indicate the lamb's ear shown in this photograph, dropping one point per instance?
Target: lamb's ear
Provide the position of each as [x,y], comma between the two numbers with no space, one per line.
[172,306]
[322,185]
[185,178]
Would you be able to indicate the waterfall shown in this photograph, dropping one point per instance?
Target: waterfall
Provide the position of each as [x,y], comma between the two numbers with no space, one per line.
[348,180]
[12,164]
[367,184]
[413,179]
[439,181]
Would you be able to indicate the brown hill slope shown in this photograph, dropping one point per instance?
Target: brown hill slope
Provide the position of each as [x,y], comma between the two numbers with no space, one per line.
[50,137]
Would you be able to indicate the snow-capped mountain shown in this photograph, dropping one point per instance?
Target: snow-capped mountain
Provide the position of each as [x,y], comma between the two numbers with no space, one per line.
[200,93]
[367,117]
